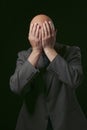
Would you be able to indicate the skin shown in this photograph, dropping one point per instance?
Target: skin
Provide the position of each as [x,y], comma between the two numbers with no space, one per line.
[42,37]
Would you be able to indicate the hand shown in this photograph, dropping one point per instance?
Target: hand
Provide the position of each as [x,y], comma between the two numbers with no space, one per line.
[35,37]
[48,35]
[48,40]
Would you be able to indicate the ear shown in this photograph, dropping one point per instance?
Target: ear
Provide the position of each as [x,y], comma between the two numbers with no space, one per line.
[28,35]
[55,31]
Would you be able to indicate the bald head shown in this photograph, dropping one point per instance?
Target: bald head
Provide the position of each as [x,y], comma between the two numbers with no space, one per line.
[40,19]
[42,30]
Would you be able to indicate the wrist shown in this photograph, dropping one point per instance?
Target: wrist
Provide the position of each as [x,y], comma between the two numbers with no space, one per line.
[48,49]
[36,50]
[34,57]
[50,53]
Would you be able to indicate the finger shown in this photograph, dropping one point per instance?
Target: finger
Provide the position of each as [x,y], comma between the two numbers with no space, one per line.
[53,32]
[48,28]
[51,25]
[37,31]
[34,29]
[45,29]
[40,33]
[43,33]
[31,28]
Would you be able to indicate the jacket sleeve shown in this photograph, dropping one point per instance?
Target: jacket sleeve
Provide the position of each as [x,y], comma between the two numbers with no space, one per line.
[68,70]
[23,75]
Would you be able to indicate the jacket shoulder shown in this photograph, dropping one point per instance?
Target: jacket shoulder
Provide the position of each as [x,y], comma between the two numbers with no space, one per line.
[24,53]
[65,49]
[61,46]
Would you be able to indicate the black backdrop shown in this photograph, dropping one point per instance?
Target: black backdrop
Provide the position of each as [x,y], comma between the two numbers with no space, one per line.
[70,18]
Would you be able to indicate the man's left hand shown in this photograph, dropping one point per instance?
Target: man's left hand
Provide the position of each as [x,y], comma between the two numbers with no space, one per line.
[48,35]
[48,40]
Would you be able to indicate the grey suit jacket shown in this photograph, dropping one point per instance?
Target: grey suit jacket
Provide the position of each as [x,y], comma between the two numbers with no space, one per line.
[48,90]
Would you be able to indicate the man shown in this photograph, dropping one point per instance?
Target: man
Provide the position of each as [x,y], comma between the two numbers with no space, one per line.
[46,77]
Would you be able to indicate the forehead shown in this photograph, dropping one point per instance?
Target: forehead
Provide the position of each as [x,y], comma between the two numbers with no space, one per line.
[40,19]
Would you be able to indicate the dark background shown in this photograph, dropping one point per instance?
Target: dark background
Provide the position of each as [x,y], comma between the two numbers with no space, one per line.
[70,18]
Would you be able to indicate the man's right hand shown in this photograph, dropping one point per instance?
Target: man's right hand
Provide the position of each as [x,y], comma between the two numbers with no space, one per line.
[34,36]
[35,41]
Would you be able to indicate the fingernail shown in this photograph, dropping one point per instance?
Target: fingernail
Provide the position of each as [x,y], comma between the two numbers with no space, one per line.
[44,22]
[39,27]
[49,21]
